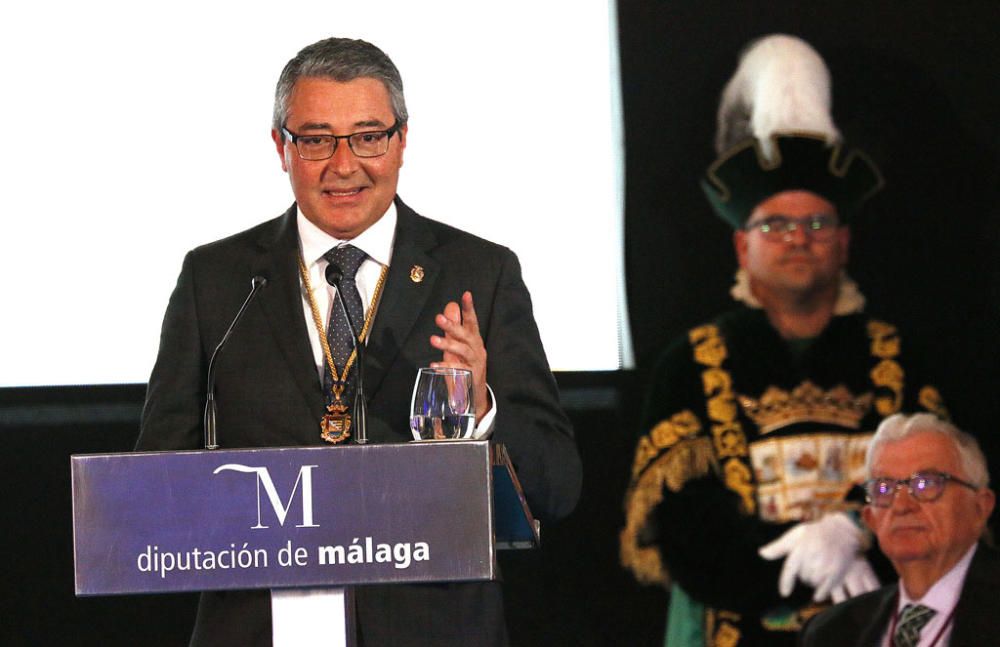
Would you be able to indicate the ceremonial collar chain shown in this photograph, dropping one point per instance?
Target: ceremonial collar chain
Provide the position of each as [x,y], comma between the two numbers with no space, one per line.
[338,415]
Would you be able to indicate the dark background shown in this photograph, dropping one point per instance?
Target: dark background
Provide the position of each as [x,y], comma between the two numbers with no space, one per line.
[914,85]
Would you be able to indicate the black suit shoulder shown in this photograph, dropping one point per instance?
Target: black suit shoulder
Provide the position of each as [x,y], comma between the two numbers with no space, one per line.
[260,232]
[856,621]
[979,605]
[220,255]
[453,247]
[447,234]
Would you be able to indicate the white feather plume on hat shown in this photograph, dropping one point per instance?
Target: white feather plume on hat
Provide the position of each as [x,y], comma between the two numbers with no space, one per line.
[781,85]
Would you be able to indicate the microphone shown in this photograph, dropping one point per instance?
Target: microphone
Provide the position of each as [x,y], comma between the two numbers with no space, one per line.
[256,285]
[333,276]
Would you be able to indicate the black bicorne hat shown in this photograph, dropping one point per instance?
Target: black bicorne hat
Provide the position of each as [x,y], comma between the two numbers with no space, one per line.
[776,133]
[742,177]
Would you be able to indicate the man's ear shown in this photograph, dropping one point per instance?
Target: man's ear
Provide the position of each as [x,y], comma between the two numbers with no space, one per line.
[985,500]
[740,245]
[868,517]
[844,233]
[402,142]
[279,143]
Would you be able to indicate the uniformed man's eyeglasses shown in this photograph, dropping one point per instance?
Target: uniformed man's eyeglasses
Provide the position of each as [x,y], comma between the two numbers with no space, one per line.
[818,226]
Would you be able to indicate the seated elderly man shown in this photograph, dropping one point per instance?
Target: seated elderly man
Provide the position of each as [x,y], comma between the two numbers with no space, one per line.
[928,503]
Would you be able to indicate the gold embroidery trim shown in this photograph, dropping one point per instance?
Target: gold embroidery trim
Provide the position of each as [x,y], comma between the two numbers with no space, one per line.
[664,435]
[686,460]
[674,452]
[887,374]
[720,627]
[709,348]
[778,408]
[729,439]
[930,399]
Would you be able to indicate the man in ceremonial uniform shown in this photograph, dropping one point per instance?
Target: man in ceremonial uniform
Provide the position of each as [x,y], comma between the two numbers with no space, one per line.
[928,502]
[756,424]
[289,374]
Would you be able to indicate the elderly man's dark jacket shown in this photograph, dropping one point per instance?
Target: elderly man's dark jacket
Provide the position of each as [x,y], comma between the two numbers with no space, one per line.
[269,394]
[862,621]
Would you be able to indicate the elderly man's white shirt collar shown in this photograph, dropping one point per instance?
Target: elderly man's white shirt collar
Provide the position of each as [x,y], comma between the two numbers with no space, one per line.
[944,593]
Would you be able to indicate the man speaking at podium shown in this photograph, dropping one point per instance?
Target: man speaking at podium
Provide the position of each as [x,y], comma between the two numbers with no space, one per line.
[417,292]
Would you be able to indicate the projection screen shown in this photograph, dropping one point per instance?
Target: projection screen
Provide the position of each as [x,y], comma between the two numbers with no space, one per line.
[114,111]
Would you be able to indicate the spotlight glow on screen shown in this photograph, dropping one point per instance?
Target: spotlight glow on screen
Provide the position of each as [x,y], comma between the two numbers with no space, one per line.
[138,131]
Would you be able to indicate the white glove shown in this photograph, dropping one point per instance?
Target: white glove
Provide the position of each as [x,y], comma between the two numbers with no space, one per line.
[860,578]
[817,552]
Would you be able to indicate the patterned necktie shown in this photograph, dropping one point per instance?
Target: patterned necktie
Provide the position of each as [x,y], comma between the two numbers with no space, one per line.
[911,621]
[338,334]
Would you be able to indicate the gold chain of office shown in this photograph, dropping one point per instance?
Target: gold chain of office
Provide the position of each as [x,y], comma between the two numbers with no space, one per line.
[336,424]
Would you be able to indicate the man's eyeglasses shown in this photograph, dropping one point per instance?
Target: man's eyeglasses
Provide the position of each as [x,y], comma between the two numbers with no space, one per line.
[922,486]
[818,226]
[370,143]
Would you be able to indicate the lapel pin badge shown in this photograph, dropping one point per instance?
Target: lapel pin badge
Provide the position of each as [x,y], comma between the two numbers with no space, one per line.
[416,274]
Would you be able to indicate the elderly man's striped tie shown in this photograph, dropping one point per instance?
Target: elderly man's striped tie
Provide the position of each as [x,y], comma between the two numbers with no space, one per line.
[911,621]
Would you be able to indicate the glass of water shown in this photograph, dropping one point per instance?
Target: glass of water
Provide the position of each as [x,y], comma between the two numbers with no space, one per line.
[442,406]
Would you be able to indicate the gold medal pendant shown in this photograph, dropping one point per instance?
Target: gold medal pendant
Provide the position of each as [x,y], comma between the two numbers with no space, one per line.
[336,425]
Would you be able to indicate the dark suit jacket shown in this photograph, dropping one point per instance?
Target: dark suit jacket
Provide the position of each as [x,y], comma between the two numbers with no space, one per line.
[862,621]
[269,394]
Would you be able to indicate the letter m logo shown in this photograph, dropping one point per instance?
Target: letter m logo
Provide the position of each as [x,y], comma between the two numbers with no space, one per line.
[280,509]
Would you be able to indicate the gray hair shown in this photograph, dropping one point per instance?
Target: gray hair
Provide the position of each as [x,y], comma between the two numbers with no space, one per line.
[899,426]
[340,59]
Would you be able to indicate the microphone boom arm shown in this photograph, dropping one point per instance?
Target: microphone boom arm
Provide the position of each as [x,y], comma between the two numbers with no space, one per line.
[211,440]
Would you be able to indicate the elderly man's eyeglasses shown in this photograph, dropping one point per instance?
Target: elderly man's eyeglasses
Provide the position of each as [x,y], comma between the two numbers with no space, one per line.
[370,143]
[818,226]
[922,486]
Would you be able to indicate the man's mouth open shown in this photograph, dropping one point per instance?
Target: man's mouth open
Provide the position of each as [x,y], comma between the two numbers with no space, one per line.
[343,193]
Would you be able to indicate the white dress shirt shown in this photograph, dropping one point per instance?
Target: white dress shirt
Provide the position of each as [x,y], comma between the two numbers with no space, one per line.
[942,597]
